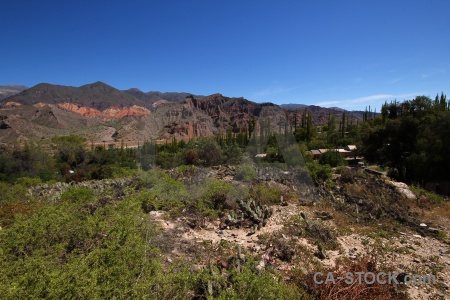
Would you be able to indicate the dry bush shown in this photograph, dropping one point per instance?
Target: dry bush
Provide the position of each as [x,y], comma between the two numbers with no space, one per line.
[281,248]
[322,235]
[340,290]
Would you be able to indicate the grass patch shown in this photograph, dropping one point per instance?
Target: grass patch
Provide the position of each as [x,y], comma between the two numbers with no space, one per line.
[433,197]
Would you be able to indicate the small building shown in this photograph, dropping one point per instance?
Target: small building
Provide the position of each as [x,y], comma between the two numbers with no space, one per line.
[346,151]
[343,152]
[315,153]
[350,147]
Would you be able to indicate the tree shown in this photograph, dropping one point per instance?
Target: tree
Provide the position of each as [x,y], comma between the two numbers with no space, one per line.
[70,149]
[412,140]
[309,129]
[343,125]
[210,152]
[332,158]
[331,132]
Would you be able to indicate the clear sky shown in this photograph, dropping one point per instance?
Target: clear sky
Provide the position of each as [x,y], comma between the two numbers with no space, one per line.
[348,54]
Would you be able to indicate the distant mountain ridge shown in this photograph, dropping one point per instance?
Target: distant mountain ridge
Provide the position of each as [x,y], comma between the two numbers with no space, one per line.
[106,114]
[293,106]
[10,90]
[100,96]
[156,96]
[97,95]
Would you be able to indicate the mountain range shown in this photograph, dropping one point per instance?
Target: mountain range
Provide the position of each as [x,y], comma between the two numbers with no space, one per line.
[105,114]
[10,90]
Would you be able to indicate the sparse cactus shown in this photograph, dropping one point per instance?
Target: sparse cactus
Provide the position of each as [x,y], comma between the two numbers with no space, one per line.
[250,210]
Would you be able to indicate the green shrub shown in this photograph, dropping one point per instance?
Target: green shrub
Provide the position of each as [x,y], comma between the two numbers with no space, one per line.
[65,251]
[186,169]
[250,284]
[246,173]
[267,194]
[332,158]
[14,200]
[165,186]
[119,172]
[209,197]
[209,152]
[233,153]
[319,172]
[149,201]
[28,182]
[435,198]
[78,195]
[216,193]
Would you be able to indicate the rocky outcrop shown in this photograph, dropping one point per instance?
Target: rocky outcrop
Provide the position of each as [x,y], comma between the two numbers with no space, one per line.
[40,104]
[121,112]
[81,110]
[403,188]
[216,114]
[10,104]
[109,113]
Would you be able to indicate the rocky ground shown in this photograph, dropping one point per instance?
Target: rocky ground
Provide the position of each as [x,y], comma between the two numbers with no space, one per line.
[355,216]
[404,242]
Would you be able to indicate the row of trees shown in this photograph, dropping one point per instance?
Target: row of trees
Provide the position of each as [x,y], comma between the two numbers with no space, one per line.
[412,138]
[203,151]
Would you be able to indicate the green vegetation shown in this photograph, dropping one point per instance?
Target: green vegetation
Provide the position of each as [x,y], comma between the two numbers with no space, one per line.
[411,138]
[246,173]
[434,198]
[68,160]
[268,195]
[318,172]
[92,245]
[332,158]
[103,243]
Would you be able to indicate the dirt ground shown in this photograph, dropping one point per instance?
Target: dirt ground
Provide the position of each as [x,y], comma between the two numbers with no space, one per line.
[407,251]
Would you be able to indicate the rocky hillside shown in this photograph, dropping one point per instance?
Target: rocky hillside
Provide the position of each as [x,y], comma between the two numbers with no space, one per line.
[46,110]
[27,122]
[97,95]
[194,117]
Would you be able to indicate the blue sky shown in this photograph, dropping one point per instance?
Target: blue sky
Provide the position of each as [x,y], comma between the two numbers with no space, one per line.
[349,54]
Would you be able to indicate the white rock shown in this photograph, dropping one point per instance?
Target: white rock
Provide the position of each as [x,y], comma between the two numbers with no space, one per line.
[404,189]
[423,225]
